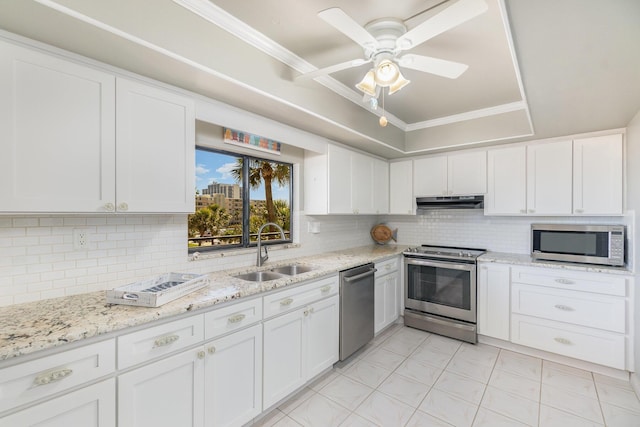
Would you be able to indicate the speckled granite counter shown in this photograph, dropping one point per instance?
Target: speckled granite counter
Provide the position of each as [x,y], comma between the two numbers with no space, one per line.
[30,327]
[525,259]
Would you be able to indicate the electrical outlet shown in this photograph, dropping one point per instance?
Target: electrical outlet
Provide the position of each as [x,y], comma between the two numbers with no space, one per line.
[80,239]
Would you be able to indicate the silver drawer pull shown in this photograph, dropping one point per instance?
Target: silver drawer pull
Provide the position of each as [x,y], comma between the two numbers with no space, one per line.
[563,341]
[564,307]
[236,318]
[286,301]
[166,340]
[51,377]
[325,289]
[565,281]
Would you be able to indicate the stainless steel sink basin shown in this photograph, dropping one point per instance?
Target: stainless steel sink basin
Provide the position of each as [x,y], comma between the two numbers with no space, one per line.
[259,276]
[293,269]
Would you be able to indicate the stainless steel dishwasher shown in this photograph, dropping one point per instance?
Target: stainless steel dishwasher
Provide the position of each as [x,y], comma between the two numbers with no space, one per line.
[356,308]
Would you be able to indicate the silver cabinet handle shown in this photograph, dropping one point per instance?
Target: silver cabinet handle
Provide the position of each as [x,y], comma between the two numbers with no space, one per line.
[564,307]
[565,281]
[123,207]
[53,376]
[286,301]
[579,210]
[201,354]
[166,340]
[532,211]
[523,211]
[308,311]
[563,341]
[109,207]
[211,350]
[236,318]
[325,289]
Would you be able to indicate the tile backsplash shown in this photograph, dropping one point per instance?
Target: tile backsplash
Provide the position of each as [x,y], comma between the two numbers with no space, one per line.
[38,259]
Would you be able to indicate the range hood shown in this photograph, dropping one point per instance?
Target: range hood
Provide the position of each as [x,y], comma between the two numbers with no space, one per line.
[449,202]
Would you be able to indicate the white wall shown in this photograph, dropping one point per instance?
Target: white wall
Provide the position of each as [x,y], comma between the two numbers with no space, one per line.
[471,228]
[633,204]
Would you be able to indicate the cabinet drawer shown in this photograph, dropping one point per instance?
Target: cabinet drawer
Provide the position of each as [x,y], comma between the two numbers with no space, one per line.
[236,316]
[580,308]
[592,345]
[281,302]
[147,344]
[42,377]
[576,280]
[386,267]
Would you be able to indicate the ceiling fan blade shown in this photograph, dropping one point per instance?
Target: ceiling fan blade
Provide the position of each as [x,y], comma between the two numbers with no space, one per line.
[332,69]
[350,28]
[451,17]
[427,64]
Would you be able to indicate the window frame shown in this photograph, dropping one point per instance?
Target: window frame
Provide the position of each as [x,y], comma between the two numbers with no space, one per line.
[245,241]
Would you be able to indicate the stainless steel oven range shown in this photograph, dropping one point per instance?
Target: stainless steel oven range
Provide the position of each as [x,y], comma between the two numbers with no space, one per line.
[440,290]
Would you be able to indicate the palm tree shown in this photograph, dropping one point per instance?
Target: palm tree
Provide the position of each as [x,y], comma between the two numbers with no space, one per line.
[267,172]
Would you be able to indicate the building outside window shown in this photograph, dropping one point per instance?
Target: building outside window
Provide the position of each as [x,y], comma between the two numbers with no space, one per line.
[230,213]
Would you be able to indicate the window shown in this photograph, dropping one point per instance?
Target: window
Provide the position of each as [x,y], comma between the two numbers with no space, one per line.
[230,213]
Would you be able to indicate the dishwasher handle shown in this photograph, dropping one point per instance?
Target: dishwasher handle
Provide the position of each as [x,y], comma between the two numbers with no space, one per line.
[360,276]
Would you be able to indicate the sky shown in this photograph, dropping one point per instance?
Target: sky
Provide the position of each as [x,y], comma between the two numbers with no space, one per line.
[217,167]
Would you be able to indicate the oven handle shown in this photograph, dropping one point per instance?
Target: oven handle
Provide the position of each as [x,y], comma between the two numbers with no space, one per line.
[433,263]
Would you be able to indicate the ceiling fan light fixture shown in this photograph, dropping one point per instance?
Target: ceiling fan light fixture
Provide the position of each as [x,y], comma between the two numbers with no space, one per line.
[368,83]
[386,73]
[398,84]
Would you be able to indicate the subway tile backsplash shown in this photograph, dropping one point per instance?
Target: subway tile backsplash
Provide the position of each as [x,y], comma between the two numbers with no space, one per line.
[38,259]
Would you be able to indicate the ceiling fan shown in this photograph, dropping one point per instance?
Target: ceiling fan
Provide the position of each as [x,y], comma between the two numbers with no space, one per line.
[385,40]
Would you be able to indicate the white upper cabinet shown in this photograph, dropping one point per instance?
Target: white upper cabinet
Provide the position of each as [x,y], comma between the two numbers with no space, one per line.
[571,177]
[549,176]
[342,181]
[57,134]
[401,200]
[597,175]
[507,181]
[76,139]
[456,174]
[155,149]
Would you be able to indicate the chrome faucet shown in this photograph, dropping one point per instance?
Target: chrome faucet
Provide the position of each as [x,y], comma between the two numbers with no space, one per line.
[261,259]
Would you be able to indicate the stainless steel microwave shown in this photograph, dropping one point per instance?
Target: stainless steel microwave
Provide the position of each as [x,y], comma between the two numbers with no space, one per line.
[588,244]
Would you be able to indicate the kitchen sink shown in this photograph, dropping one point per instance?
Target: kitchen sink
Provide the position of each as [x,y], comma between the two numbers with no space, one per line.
[293,269]
[259,276]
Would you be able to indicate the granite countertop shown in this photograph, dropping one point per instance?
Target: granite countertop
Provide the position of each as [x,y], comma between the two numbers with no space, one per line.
[525,259]
[30,327]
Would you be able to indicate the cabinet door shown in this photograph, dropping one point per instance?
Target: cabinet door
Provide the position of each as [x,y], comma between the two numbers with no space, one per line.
[549,178]
[386,296]
[57,134]
[284,356]
[322,335]
[507,181]
[380,186]
[493,301]
[155,150]
[339,176]
[167,393]
[467,173]
[93,406]
[362,184]
[379,304]
[430,176]
[233,382]
[597,175]
[401,200]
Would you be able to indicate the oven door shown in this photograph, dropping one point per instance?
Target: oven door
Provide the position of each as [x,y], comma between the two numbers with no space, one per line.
[440,287]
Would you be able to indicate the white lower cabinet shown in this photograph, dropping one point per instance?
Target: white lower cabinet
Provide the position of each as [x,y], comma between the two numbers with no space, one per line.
[576,314]
[387,294]
[166,393]
[493,300]
[92,406]
[297,346]
[233,378]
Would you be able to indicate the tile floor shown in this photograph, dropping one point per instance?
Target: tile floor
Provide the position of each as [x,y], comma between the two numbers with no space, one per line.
[407,377]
